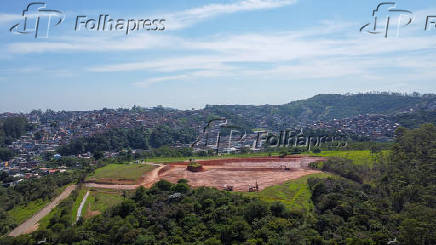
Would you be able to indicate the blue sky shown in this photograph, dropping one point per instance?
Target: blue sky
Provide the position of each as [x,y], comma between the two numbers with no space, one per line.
[212,52]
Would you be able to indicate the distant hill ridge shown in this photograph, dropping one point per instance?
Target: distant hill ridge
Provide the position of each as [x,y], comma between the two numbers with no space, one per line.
[330,106]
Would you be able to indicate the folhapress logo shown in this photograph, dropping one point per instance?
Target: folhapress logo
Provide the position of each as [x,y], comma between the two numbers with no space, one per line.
[38,20]
[383,16]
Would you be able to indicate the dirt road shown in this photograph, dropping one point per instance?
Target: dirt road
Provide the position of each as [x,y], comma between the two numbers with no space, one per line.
[31,224]
[152,177]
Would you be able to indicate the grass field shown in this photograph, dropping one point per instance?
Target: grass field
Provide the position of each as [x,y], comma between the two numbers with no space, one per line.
[181,159]
[294,194]
[358,157]
[100,200]
[120,171]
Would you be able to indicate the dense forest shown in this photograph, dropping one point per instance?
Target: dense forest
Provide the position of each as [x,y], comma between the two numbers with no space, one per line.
[393,201]
[324,107]
[137,138]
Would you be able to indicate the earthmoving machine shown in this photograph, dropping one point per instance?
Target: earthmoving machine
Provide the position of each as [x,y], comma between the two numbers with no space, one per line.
[253,188]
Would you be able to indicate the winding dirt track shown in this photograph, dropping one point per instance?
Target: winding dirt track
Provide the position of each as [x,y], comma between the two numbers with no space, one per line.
[152,177]
[31,224]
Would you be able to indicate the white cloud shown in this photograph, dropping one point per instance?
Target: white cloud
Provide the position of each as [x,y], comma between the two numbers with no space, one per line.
[312,53]
[278,49]
[119,42]
[94,44]
[189,17]
[8,18]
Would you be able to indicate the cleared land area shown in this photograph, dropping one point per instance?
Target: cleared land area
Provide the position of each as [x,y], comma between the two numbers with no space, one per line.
[242,173]
[123,174]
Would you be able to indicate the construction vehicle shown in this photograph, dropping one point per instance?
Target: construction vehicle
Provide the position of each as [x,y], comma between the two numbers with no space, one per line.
[253,188]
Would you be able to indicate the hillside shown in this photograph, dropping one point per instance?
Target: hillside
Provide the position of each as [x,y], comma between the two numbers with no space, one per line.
[324,107]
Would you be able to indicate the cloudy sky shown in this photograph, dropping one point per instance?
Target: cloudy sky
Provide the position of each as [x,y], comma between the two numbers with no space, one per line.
[214,52]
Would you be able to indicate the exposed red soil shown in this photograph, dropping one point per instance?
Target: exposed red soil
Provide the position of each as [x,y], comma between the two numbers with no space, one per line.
[242,172]
[237,172]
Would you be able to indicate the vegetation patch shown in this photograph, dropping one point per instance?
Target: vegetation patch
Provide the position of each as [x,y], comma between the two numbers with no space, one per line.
[294,194]
[100,200]
[61,217]
[366,158]
[76,204]
[194,167]
[23,212]
[128,172]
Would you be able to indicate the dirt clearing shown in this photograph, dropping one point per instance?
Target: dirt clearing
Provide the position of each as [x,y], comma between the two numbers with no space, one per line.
[241,173]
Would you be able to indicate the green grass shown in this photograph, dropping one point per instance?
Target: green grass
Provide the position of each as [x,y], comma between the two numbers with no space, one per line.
[358,157]
[76,204]
[23,212]
[44,222]
[121,171]
[181,159]
[294,194]
[57,211]
[100,200]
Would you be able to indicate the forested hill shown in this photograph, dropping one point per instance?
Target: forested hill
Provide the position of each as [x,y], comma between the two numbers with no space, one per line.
[330,106]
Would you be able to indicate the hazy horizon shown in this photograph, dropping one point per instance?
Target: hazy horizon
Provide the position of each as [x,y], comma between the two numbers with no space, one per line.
[187,109]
